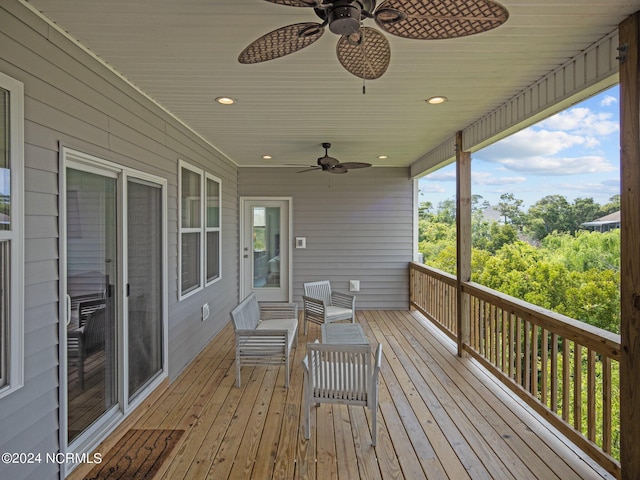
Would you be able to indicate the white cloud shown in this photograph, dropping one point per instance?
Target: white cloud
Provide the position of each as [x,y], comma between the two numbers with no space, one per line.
[559,165]
[505,181]
[564,144]
[608,100]
[531,143]
[441,176]
[581,121]
[432,188]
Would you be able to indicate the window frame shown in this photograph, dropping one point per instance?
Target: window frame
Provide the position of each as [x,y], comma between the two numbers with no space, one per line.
[208,229]
[201,230]
[12,328]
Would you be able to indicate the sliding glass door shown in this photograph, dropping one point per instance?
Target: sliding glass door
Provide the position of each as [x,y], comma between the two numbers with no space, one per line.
[92,263]
[144,274]
[114,278]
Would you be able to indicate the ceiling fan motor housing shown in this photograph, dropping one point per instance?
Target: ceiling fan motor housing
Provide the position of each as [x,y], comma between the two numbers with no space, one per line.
[345,19]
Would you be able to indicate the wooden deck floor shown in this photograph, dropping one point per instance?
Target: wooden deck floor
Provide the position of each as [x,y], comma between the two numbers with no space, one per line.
[440,417]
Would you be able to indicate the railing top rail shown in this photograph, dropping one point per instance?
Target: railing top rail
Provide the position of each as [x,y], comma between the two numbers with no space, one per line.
[602,341]
[434,272]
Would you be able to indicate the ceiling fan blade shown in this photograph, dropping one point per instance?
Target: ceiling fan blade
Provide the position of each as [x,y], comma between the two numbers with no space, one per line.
[309,169]
[297,3]
[352,165]
[281,42]
[365,54]
[338,169]
[439,19]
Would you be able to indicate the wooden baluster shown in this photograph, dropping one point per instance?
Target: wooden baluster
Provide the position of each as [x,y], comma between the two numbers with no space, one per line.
[554,372]
[577,386]
[606,404]
[566,381]
[591,395]
[544,367]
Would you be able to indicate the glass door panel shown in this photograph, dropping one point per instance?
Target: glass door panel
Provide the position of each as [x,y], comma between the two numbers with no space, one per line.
[266,247]
[91,274]
[144,274]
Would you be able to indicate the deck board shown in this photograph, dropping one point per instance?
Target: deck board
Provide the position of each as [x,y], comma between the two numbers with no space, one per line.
[440,417]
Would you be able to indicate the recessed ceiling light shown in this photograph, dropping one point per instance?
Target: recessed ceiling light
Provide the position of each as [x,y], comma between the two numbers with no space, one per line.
[267,157]
[225,100]
[436,100]
[383,157]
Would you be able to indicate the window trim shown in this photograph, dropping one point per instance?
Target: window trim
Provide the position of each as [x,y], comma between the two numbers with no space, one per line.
[208,229]
[202,230]
[14,361]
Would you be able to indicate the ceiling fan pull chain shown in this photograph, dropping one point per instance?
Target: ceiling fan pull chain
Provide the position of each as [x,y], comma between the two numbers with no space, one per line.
[364,88]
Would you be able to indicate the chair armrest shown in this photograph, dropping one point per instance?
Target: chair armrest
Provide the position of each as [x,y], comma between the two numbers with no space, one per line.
[277,311]
[267,332]
[378,357]
[314,307]
[344,300]
[261,342]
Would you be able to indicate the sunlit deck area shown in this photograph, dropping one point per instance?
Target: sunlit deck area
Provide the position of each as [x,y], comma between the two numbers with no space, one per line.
[440,417]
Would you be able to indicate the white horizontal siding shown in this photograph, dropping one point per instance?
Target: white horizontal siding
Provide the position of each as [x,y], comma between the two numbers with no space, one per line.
[358,226]
[72,99]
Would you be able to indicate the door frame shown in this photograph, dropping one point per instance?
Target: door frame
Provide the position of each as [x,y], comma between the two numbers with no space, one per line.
[289,228]
[91,438]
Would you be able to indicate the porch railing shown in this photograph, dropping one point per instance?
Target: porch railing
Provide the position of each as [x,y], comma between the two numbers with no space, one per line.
[563,368]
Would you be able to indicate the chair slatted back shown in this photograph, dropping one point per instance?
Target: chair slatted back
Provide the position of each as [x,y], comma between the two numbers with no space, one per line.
[246,315]
[339,373]
[320,290]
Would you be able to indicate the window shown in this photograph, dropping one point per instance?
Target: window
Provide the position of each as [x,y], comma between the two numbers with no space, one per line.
[200,245]
[11,239]
[213,229]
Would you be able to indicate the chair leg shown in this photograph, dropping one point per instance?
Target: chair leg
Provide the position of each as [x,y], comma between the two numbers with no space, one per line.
[374,426]
[237,371]
[307,417]
[286,373]
[81,370]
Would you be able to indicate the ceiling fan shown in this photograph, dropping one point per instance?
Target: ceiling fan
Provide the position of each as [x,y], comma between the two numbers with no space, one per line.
[364,51]
[333,165]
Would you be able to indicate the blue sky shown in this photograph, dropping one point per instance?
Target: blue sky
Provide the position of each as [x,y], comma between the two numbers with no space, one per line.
[575,153]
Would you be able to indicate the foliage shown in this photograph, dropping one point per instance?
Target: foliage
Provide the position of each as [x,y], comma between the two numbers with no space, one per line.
[510,208]
[562,268]
[569,271]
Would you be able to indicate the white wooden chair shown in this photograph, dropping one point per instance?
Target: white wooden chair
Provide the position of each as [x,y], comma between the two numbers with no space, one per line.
[341,374]
[321,305]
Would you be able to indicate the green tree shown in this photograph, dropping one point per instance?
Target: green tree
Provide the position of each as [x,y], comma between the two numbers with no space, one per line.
[447,211]
[510,209]
[550,213]
[612,206]
[585,210]
[424,210]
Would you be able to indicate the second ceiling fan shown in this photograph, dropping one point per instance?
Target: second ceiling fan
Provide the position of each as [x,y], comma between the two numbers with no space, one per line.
[333,165]
[364,51]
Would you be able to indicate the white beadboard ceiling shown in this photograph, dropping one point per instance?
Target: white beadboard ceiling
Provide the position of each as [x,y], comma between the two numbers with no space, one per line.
[183,54]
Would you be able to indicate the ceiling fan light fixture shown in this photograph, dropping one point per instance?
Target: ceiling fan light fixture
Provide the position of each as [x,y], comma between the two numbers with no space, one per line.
[225,100]
[437,100]
[388,16]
